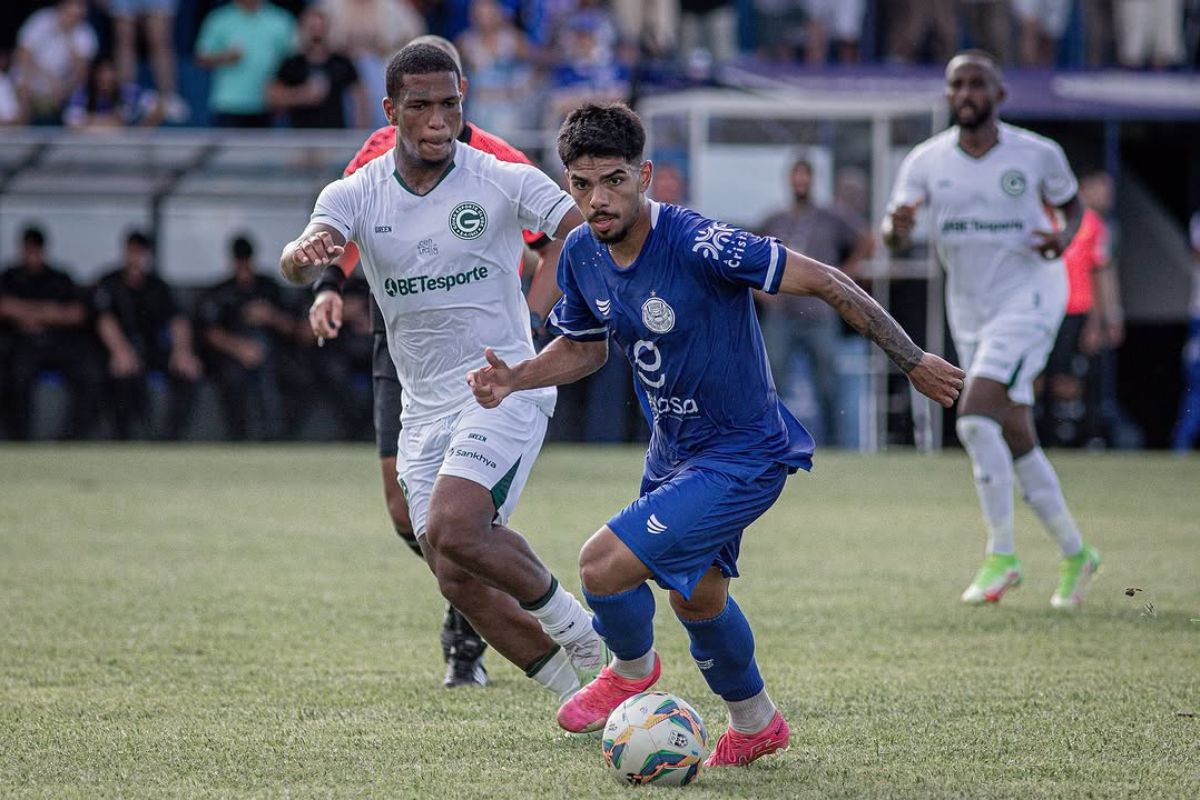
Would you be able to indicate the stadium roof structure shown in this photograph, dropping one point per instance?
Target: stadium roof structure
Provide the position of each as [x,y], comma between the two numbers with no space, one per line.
[1033,94]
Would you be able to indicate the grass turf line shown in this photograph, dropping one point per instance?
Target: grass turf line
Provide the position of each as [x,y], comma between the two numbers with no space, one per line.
[224,621]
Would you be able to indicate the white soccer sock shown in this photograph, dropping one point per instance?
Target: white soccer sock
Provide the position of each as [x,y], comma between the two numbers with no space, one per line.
[634,669]
[992,465]
[752,714]
[565,621]
[558,675]
[1043,493]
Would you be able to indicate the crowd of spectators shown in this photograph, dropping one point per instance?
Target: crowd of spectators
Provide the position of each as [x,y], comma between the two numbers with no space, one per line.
[320,63]
[115,346]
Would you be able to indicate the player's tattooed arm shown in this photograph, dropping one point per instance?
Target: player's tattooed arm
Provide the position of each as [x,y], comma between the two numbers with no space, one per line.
[802,275]
[931,375]
[319,246]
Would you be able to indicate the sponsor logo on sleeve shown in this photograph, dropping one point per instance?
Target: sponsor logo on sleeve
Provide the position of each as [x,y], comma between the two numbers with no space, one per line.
[710,242]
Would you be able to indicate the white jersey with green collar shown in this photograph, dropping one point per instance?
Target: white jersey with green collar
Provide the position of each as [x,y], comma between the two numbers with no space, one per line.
[983,213]
[444,267]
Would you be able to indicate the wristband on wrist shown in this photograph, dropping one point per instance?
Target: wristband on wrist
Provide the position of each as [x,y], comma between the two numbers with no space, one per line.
[332,279]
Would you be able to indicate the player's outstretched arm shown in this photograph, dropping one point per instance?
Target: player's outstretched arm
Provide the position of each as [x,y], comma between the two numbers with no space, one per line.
[319,246]
[932,376]
[562,361]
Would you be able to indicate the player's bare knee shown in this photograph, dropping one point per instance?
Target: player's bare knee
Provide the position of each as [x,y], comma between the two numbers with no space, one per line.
[699,606]
[456,537]
[708,598]
[1019,435]
[458,587]
[596,565]
[453,545]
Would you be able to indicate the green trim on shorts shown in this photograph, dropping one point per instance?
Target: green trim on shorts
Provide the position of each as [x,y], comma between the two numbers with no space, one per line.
[1012,380]
[500,490]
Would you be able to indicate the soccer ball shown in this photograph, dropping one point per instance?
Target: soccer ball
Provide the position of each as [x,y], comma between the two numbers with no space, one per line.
[654,737]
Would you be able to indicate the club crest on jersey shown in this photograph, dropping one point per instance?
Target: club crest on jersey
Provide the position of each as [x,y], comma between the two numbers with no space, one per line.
[1013,182]
[711,241]
[468,220]
[657,315]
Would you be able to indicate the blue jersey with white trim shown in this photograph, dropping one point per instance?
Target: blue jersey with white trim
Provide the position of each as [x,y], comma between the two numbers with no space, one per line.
[684,315]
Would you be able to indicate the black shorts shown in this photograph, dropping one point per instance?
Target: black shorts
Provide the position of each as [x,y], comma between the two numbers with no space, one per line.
[1066,346]
[387,398]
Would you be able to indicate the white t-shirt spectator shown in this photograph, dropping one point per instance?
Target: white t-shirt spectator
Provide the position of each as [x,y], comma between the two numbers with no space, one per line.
[53,50]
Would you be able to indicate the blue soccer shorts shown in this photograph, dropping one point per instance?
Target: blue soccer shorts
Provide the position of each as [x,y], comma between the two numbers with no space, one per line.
[693,520]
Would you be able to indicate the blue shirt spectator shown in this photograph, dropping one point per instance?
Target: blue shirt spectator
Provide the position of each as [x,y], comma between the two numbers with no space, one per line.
[244,43]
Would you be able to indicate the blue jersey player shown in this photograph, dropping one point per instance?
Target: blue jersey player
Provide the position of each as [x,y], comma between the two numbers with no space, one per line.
[673,289]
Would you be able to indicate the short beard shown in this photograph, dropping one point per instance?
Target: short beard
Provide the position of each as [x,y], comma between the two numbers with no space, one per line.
[618,236]
[982,117]
[614,236]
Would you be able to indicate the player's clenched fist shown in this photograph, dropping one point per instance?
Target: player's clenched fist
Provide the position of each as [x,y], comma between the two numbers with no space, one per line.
[1049,244]
[492,383]
[303,258]
[900,223]
[316,249]
[937,379]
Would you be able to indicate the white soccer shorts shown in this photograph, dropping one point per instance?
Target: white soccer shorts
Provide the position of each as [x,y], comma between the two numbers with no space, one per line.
[494,448]
[1011,349]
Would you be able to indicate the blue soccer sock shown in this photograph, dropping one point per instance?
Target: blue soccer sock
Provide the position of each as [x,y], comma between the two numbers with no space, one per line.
[625,620]
[723,648]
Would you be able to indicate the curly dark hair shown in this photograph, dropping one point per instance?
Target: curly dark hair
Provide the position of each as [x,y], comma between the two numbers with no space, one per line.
[418,59]
[601,130]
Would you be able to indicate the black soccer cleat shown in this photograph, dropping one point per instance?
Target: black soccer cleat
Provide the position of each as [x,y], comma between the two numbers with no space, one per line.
[449,631]
[463,650]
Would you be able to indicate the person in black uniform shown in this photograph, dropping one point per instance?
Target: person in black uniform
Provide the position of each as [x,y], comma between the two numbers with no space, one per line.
[43,325]
[247,331]
[144,331]
[312,86]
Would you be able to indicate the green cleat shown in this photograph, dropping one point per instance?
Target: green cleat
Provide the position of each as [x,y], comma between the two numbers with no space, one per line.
[1074,573]
[588,657]
[998,574]
[587,674]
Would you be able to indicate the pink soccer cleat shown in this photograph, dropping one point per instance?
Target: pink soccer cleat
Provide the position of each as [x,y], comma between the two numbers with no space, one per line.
[588,709]
[735,749]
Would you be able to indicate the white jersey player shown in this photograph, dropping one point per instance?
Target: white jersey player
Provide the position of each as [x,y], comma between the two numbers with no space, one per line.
[989,190]
[439,226]
[444,265]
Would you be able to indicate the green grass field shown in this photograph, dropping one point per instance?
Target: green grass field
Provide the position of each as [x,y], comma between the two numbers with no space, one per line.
[212,622]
